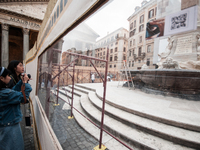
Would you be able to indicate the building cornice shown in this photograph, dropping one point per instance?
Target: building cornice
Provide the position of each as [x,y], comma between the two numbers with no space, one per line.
[20,15]
[23,1]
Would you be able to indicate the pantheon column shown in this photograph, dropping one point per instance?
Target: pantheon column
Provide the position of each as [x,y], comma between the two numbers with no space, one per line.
[5,45]
[25,42]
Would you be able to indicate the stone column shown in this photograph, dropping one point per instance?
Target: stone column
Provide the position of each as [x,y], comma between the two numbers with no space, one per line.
[25,42]
[5,45]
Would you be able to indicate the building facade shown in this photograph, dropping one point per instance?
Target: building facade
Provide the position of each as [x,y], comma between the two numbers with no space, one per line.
[140,50]
[117,42]
[20,22]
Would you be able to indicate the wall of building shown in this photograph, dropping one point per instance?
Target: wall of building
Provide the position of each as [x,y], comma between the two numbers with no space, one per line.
[140,50]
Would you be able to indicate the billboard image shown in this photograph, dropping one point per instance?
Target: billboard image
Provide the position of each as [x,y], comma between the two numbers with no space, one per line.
[155,28]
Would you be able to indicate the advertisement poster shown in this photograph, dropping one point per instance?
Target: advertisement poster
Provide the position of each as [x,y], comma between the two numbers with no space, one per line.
[155,28]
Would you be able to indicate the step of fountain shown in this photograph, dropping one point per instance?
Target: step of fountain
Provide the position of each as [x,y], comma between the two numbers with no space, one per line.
[149,113]
[107,140]
[167,132]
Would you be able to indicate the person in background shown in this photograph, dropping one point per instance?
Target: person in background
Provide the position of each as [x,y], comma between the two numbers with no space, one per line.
[11,137]
[93,78]
[16,67]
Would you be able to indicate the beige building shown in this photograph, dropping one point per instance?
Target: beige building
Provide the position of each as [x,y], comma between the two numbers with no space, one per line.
[117,42]
[19,25]
[140,50]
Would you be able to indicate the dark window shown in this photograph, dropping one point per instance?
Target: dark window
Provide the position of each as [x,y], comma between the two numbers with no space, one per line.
[142,19]
[129,63]
[129,52]
[124,49]
[111,51]
[54,17]
[133,52]
[134,23]
[61,6]
[139,51]
[115,58]
[104,53]
[115,49]
[148,61]
[132,63]
[130,43]
[110,58]
[116,43]
[124,57]
[110,66]
[114,66]
[65,2]
[155,11]
[141,28]
[131,26]
[151,13]
[57,11]
[148,48]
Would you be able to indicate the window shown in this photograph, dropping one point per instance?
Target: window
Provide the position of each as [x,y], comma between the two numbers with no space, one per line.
[131,26]
[141,28]
[148,48]
[110,58]
[104,58]
[61,6]
[101,54]
[130,43]
[115,49]
[110,66]
[111,45]
[139,61]
[111,51]
[129,63]
[124,49]
[129,52]
[133,52]
[117,36]
[151,13]
[155,11]
[124,57]
[148,61]
[132,33]
[142,19]
[140,39]
[115,58]
[139,51]
[132,63]
[116,43]
[134,23]
[114,66]
[134,42]
[104,53]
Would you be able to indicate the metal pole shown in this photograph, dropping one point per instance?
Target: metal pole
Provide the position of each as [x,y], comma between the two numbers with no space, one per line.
[104,98]
[72,90]
[58,86]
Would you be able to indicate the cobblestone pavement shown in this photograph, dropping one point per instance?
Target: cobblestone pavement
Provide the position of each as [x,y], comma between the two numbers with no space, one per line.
[70,135]
[28,139]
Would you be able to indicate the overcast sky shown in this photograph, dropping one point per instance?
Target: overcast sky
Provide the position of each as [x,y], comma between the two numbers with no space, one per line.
[113,16]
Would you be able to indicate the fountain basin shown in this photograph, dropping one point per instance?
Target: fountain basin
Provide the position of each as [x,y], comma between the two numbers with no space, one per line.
[181,83]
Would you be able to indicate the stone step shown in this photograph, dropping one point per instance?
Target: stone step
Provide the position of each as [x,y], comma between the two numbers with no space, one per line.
[152,115]
[107,140]
[131,135]
[171,133]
